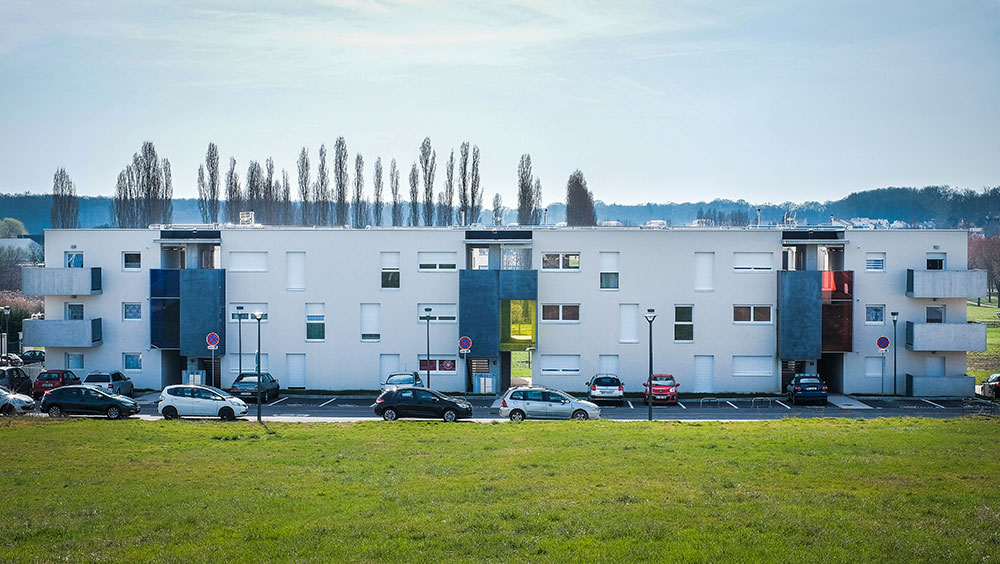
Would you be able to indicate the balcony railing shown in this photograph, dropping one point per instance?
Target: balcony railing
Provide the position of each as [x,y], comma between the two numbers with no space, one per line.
[945,336]
[945,283]
[62,281]
[70,333]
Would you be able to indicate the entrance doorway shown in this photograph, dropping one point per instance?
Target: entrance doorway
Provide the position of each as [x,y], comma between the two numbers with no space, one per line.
[520,368]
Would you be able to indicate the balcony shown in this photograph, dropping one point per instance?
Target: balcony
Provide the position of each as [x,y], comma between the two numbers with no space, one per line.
[945,336]
[70,333]
[945,283]
[62,281]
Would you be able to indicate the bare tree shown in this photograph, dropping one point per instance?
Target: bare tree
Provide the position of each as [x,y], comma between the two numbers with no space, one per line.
[525,196]
[321,198]
[65,204]
[234,193]
[357,201]
[379,204]
[537,203]
[286,199]
[447,211]
[125,205]
[202,194]
[414,196]
[463,183]
[340,179]
[306,218]
[255,188]
[270,194]
[428,160]
[144,193]
[208,188]
[498,210]
[579,201]
[397,206]
[475,193]
[167,202]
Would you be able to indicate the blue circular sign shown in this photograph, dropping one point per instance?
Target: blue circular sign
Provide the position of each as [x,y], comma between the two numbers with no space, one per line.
[465,343]
[212,339]
[882,342]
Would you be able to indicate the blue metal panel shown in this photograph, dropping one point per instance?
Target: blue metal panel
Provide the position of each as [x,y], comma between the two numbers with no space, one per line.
[518,284]
[800,314]
[203,309]
[164,283]
[479,311]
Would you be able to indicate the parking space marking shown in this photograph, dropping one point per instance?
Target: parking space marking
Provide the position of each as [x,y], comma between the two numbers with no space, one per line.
[781,404]
[328,401]
[934,404]
[630,406]
[680,404]
[732,404]
[277,402]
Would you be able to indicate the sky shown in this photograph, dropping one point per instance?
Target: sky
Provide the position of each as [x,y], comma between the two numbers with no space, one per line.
[658,101]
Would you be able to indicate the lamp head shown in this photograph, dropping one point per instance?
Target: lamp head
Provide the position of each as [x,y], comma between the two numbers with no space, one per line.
[894,314]
[239,308]
[258,315]
[427,310]
[650,315]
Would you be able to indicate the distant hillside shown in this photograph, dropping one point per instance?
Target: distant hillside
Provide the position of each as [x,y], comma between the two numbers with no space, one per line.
[939,206]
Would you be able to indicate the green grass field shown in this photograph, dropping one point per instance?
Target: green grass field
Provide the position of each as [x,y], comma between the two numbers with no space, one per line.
[983,363]
[889,490]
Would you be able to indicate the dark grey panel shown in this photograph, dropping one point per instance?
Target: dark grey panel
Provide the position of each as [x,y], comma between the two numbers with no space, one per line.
[800,313]
[203,303]
[479,311]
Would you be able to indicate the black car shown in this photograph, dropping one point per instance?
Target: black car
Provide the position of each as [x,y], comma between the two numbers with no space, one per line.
[15,380]
[33,356]
[807,387]
[421,403]
[245,386]
[84,400]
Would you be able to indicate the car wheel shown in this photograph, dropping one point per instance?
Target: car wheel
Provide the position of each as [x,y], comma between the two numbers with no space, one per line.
[389,414]
[170,412]
[113,412]
[6,410]
[55,411]
[580,415]
[226,414]
[517,416]
[450,416]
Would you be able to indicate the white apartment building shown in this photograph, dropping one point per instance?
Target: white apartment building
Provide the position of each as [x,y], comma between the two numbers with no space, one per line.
[736,310]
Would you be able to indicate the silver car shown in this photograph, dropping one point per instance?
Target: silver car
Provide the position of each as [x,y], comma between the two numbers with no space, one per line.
[606,387]
[397,379]
[11,403]
[539,402]
[114,383]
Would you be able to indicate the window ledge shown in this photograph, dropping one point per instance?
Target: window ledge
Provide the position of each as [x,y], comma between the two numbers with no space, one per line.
[628,342]
[295,289]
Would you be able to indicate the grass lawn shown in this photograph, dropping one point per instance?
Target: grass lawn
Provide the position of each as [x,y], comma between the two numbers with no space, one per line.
[983,363]
[888,490]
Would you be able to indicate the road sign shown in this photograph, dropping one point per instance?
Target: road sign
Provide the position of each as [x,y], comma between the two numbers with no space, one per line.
[213,347]
[465,343]
[212,339]
[882,342]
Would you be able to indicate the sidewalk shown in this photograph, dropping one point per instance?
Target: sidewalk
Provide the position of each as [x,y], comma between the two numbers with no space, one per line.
[846,402]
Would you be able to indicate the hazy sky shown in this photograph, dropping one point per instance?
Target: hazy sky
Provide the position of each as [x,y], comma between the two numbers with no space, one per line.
[653,101]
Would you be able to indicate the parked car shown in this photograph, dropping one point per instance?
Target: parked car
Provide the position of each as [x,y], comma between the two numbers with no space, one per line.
[52,379]
[190,400]
[245,386]
[398,379]
[806,387]
[10,359]
[991,387]
[33,356]
[605,387]
[664,389]
[539,402]
[85,400]
[15,379]
[11,403]
[411,401]
[111,382]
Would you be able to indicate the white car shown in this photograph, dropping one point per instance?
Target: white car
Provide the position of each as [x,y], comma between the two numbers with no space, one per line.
[540,402]
[607,387]
[11,403]
[186,400]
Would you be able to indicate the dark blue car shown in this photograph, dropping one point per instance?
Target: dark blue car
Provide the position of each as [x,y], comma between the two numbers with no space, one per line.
[807,388]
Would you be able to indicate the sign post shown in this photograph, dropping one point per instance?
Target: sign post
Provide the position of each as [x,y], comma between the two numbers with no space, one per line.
[883,343]
[213,344]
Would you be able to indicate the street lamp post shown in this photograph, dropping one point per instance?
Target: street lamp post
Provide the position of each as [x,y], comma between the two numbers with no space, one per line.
[427,316]
[6,318]
[239,321]
[895,345]
[650,316]
[258,315]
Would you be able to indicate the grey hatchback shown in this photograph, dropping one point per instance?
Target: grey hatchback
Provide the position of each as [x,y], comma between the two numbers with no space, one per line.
[245,386]
[110,382]
[538,402]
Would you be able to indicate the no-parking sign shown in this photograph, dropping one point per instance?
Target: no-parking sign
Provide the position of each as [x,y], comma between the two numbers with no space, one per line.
[212,339]
[882,342]
[465,344]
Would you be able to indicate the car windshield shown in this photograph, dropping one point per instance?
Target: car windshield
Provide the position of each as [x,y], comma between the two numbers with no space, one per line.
[4,390]
[222,393]
[663,381]
[247,380]
[810,381]
[98,378]
[47,377]
[606,381]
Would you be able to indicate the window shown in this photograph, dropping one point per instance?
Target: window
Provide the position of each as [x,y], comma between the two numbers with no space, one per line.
[515,257]
[74,311]
[935,314]
[74,360]
[875,315]
[248,308]
[437,261]
[936,261]
[131,311]
[132,361]
[753,365]
[248,261]
[609,271]
[560,364]
[315,322]
[561,261]
[628,323]
[390,270]
[73,259]
[295,270]
[437,364]
[752,314]
[561,312]
[684,323]
[440,313]
[704,272]
[874,366]
[753,262]
[875,262]
[370,322]
[131,260]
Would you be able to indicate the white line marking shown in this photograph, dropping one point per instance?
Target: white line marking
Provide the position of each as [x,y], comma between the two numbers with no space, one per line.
[934,404]
[328,401]
[630,406]
[731,403]
[781,404]
[681,404]
[277,402]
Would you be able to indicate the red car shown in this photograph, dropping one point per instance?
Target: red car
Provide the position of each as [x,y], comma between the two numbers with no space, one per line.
[52,379]
[664,389]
